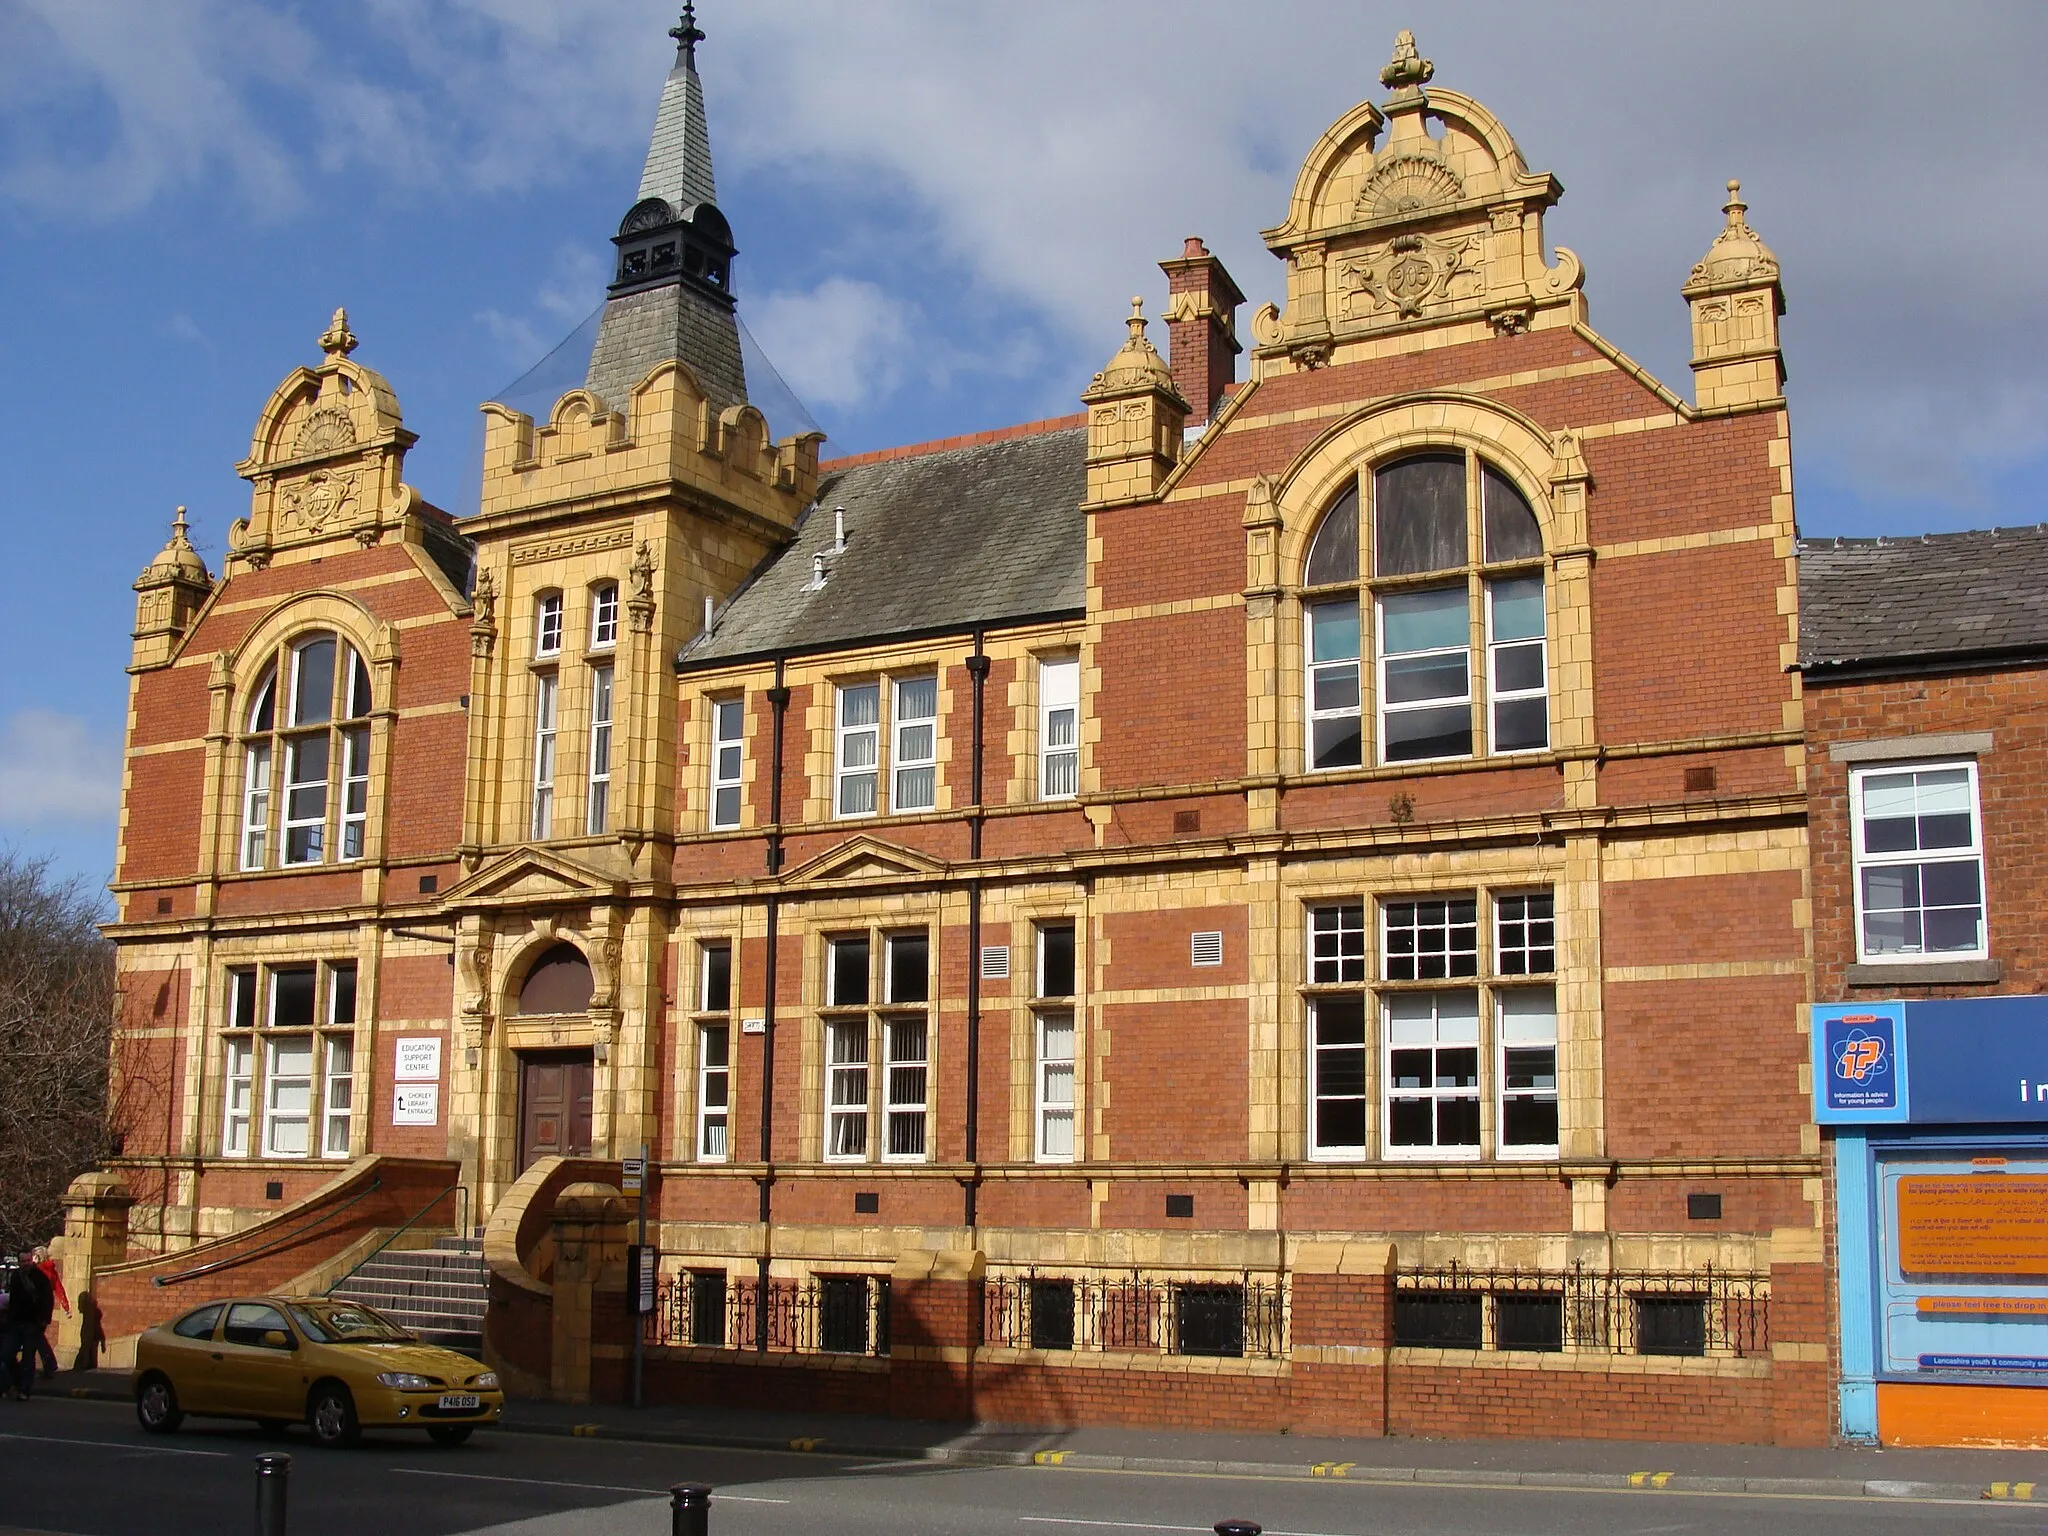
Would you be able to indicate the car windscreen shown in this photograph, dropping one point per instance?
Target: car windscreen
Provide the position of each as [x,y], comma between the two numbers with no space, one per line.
[348,1325]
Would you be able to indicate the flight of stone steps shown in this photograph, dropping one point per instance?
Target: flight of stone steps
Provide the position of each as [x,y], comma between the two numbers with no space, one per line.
[437,1293]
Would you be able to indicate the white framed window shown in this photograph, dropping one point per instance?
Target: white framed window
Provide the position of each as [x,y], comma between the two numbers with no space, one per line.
[547,624]
[604,616]
[907,1062]
[714,1052]
[238,1088]
[1517,665]
[1336,727]
[1425,678]
[255,805]
[846,1089]
[545,701]
[1337,943]
[597,809]
[1447,530]
[1055,1107]
[1525,1024]
[714,1083]
[1431,1102]
[1918,837]
[728,737]
[355,790]
[318,744]
[288,1095]
[1431,939]
[1337,1075]
[857,749]
[1525,934]
[1059,729]
[340,1096]
[915,718]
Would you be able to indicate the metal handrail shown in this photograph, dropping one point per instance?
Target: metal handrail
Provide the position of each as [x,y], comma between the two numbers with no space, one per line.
[277,1242]
[398,1231]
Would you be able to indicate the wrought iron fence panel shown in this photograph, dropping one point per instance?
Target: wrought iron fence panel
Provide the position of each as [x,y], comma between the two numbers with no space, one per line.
[822,1314]
[1135,1314]
[1704,1311]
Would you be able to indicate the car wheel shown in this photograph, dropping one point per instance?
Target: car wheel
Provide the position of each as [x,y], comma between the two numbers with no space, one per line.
[450,1434]
[332,1416]
[156,1405]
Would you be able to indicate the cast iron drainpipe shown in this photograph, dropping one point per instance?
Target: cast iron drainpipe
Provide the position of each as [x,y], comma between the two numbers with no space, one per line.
[778,698]
[977,668]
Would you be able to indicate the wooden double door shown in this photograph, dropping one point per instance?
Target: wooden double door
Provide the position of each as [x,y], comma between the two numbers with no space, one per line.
[554,1105]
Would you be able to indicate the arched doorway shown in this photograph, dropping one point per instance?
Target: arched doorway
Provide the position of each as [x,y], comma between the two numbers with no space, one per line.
[555,1086]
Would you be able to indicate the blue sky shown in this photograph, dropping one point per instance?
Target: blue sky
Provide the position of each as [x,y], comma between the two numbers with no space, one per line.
[941,209]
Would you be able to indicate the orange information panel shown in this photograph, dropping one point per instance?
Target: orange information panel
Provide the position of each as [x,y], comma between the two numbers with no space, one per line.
[1983,1224]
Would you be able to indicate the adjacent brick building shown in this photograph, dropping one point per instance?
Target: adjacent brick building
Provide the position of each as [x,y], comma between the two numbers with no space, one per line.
[1927,713]
[1281,899]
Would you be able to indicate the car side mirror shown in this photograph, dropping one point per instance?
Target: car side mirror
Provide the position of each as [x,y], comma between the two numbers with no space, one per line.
[277,1338]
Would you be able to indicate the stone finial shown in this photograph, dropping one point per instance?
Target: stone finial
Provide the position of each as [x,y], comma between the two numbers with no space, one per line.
[338,340]
[1738,254]
[1408,70]
[177,559]
[1137,362]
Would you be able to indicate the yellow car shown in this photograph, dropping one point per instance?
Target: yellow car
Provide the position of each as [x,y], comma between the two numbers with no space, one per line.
[339,1366]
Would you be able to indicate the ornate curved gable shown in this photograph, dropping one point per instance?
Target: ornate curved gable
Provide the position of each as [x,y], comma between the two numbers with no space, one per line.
[1417,212]
[327,457]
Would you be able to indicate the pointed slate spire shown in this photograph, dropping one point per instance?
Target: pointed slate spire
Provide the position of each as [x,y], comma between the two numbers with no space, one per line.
[679,155]
[671,297]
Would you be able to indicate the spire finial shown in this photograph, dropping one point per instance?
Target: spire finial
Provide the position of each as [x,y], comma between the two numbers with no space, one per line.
[179,528]
[1136,321]
[338,338]
[1735,207]
[1408,70]
[687,35]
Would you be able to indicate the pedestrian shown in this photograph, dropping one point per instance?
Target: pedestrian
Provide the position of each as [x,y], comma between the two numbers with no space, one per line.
[29,1305]
[48,1266]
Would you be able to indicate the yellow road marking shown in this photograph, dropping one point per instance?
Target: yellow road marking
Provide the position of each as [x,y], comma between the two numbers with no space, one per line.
[585,1429]
[1047,1458]
[2009,1491]
[1648,1479]
[805,1443]
[1332,1469]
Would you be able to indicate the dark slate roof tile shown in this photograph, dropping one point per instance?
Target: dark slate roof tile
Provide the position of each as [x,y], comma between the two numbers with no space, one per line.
[1870,601]
[936,543]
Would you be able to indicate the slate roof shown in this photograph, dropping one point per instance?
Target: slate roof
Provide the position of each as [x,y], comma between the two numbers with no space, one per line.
[1879,602]
[640,330]
[936,544]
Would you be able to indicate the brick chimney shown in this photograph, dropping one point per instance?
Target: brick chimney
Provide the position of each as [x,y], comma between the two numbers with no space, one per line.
[1201,327]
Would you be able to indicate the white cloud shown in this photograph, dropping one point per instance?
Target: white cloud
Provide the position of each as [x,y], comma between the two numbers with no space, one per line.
[843,343]
[56,768]
[1046,156]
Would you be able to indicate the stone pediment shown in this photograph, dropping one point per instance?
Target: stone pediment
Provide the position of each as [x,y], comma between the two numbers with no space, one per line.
[533,877]
[866,858]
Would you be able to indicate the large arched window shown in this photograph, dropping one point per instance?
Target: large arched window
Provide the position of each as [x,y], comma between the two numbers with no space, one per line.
[306,755]
[1426,618]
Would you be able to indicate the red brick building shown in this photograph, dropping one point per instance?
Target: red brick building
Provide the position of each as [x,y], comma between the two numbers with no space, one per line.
[1926,706]
[1278,900]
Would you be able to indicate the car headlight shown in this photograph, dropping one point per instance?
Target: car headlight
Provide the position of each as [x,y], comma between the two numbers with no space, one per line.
[406,1380]
[488,1380]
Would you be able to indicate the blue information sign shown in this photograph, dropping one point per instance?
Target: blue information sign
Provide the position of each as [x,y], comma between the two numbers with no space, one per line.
[1858,1071]
[1950,1061]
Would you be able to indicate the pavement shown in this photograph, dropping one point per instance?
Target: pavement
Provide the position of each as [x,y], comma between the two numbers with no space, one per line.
[1833,1472]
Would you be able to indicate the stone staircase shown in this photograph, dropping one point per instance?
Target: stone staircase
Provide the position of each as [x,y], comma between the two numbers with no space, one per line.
[437,1293]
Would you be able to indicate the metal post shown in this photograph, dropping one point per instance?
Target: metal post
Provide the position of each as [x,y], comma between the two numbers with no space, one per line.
[1238,1528]
[691,1508]
[273,1478]
[633,1302]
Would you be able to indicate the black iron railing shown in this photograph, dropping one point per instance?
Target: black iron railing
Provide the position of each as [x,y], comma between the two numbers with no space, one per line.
[1243,1316]
[1704,1311]
[821,1314]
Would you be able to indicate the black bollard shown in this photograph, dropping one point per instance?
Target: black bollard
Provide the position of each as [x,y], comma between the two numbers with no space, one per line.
[273,1478]
[692,1509]
[1238,1528]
